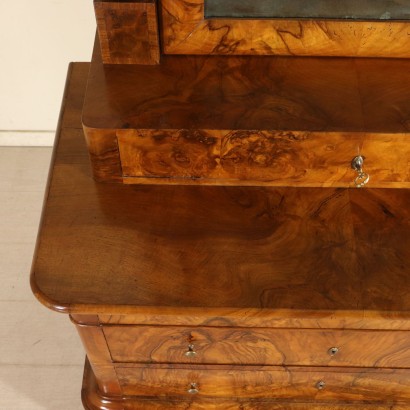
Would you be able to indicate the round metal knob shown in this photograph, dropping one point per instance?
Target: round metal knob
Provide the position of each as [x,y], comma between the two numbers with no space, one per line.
[357,163]
[320,385]
[191,351]
[333,350]
[193,388]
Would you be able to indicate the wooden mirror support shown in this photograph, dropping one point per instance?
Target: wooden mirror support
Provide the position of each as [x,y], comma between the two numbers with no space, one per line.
[128,31]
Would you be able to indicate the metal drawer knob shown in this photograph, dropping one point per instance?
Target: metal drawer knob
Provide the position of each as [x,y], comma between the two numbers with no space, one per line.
[333,351]
[320,385]
[191,351]
[193,389]
[362,177]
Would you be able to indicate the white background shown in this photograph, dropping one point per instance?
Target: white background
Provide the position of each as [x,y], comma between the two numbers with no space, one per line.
[38,38]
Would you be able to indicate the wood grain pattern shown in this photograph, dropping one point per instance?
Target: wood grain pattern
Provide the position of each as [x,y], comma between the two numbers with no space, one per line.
[92,397]
[297,347]
[251,93]
[224,121]
[100,360]
[186,31]
[104,155]
[254,317]
[128,31]
[93,400]
[265,382]
[305,250]
[329,257]
[262,158]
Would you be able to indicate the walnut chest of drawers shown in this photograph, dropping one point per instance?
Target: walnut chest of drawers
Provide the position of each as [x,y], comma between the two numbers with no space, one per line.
[226,297]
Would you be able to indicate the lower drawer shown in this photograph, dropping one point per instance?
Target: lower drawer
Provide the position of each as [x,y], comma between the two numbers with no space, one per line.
[265,382]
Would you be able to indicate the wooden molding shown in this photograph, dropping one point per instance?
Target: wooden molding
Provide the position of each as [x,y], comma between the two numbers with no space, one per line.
[91,396]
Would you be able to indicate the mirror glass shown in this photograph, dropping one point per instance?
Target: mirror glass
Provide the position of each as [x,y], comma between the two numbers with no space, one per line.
[308,9]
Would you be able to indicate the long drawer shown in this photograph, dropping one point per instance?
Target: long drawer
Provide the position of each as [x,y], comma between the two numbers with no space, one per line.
[304,347]
[262,157]
[265,382]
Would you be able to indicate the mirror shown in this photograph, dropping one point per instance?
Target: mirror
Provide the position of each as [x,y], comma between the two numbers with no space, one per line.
[309,9]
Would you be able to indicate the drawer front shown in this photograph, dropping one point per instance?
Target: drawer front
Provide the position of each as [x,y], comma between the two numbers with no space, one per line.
[262,157]
[307,347]
[264,382]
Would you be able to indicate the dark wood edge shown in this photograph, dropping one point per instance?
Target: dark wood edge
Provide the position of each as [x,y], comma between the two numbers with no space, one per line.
[124,1]
[35,289]
[241,182]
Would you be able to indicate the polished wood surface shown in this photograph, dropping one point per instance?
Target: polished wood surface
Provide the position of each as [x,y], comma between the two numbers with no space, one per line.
[93,400]
[256,317]
[128,31]
[265,382]
[186,31]
[251,93]
[294,347]
[223,121]
[99,356]
[92,397]
[263,257]
[272,158]
[304,249]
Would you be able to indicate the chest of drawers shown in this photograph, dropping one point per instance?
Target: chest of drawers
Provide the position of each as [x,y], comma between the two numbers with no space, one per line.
[226,297]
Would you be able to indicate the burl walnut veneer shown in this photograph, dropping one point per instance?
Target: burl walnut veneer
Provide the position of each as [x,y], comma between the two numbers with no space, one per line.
[138,31]
[186,30]
[249,120]
[228,297]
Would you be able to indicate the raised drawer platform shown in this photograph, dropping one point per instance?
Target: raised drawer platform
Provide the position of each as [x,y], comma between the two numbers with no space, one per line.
[243,120]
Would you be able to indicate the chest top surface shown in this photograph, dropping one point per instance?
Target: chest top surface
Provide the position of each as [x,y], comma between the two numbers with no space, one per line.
[106,247]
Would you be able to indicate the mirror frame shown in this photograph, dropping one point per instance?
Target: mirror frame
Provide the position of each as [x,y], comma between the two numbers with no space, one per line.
[186,31]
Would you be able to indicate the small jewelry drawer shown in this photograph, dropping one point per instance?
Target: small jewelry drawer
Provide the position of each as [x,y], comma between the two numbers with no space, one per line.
[264,382]
[304,347]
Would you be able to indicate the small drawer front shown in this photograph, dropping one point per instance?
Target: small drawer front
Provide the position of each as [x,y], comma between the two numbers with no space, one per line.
[275,158]
[304,347]
[265,382]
